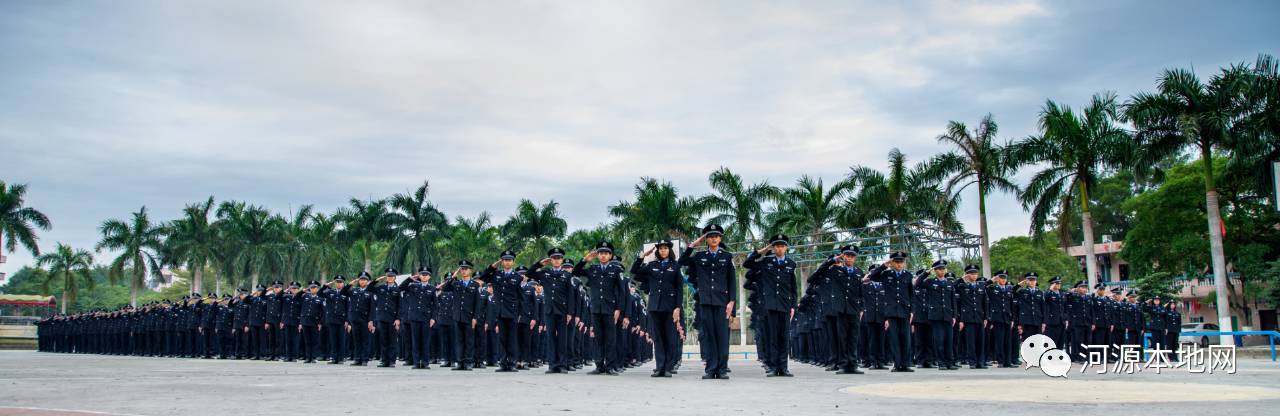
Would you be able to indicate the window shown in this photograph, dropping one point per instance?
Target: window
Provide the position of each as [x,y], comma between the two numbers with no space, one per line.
[1211,326]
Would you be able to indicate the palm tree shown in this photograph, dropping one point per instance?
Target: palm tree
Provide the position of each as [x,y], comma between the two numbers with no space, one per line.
[809,208]
[416,224]
[293,246]
[1186,113]
[472,239]
[1254,141]
[69,265]
[658,212]
[580,241]
[534,226]
[903,195]
[138,241]
[259,237]
[735,204]
[17,221]
[193,241]
[365,223]
[979,162]
[325,252]
[1073,151]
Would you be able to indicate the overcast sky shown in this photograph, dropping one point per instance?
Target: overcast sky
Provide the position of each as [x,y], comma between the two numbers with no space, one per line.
[109,106]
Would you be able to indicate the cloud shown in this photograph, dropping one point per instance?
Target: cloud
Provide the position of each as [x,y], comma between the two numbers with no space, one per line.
[106,107]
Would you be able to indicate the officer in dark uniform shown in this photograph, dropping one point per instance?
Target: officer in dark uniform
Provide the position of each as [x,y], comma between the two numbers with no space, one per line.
[1079,320]
[418,298]
[874,324]
[506,300]
[527,324]
[1099,311]
[335,318]
[226,328]
[607,290]
[897,283]
[310,320]
[971,309]
[557,298]
[840,280]
[386,315]
[1000,315]
[940,306]
[467,303]
[1055,313]
[359,312]
[715,280]
[1029,303]
[271,302]
[1173,329]
[662,280]
[777,286]
[290,321]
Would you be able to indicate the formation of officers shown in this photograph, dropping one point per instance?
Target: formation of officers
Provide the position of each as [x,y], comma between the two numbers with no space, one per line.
[566,315]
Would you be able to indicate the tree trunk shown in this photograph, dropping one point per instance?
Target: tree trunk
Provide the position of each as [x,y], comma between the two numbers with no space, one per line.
[197,279]
[133,288]
[1219,266]
[64,298]
[982,230]
[368,263]
[1090,259]
[217,285]
[1086,219]
[253,281]
[1215,250]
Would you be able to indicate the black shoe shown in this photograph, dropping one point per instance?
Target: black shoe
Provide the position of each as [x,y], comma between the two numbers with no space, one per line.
[657,374]
[902,370]
[386,365]
[709,376]
[722,376]
[552,370]
[773,374]
[850,371]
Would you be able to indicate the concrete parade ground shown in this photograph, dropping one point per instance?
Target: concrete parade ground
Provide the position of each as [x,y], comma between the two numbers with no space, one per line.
[33,383]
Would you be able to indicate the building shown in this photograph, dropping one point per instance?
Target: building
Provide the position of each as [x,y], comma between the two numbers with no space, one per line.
[1114,271]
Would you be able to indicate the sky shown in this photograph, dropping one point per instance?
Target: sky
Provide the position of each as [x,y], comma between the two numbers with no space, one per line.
[106,106]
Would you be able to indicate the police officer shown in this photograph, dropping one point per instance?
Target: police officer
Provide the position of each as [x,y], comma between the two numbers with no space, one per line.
[940,298]
[310,319]
[558,306]
[607,291]
[1029,303]
[386,307]
[662,280]
[467,304]
[1079,320]
[335,318]
[506,300]
[971,309]
[844,282]
[777,286]
[1000,315]
[418,298]
[897,283]
[714,279]
[1055,313]
[290,321]
[359,313]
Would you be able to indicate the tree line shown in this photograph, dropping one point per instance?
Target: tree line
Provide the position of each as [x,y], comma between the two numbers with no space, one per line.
[1113,160]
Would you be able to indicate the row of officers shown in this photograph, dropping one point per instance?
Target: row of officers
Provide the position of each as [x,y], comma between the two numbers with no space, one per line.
[931,319]
[565,315]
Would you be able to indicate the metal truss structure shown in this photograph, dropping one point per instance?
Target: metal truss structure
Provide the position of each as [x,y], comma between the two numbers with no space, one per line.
[876,242]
